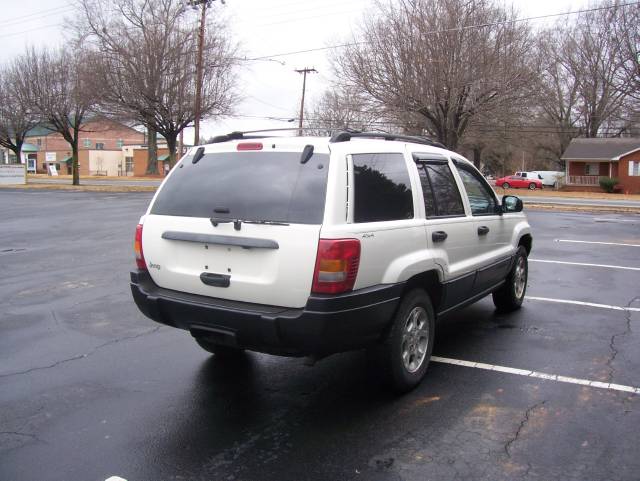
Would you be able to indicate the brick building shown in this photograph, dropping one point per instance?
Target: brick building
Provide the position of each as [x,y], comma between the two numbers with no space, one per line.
[588,160]
[100,148]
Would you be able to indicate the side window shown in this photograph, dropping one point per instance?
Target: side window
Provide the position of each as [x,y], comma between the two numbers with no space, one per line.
[441,195]
[382,189]
[481,199]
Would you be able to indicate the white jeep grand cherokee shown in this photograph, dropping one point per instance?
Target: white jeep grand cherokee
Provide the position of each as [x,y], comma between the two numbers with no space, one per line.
[304,246]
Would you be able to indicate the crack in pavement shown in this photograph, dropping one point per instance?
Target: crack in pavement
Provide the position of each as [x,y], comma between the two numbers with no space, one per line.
[612,342]
[81,356]
[24,435]
[523,423]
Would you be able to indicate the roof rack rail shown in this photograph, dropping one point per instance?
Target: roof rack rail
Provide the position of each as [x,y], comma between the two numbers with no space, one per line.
[242,135]
[416,139]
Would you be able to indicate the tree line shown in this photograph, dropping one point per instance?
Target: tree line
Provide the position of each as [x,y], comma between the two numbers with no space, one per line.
[470,74]
[130,60]
[475,77]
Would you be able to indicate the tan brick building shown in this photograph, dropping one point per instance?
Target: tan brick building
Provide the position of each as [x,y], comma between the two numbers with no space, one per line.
[100,148]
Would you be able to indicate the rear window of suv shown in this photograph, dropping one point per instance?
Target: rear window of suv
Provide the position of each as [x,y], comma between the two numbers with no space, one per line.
[252,186]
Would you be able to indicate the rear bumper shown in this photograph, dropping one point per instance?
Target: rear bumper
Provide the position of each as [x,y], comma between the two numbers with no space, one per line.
[327,324]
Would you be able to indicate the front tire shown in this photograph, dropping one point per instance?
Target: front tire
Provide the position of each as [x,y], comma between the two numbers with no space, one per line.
[511,294]
[220,351]
[506,185]
[404,355]
[532,186]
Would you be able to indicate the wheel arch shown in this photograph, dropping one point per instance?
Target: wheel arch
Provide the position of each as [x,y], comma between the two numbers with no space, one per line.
[527,242]
[428,281]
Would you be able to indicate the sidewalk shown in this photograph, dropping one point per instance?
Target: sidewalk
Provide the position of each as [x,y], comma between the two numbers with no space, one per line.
[573,195]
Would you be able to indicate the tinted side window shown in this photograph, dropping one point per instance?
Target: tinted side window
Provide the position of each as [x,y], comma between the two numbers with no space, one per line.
[382,189]
[444,191]
[427,192]
[482,201]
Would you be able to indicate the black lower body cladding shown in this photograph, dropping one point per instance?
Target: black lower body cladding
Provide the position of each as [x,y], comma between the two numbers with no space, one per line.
[326,325]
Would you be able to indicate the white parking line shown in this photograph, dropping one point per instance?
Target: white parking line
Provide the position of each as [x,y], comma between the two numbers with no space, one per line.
[585,264]
[580,303]
[538,375]
[601,219]
[597,242]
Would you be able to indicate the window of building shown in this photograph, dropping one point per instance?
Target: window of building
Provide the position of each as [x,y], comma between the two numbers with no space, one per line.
[99,146]
[128,164]
[382,189]
[87,143]
[634,168]
[441,194]
[480,195]
[592,169]
[39,142]
[120,143]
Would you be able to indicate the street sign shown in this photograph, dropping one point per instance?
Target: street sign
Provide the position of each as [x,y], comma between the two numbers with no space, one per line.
[13,174]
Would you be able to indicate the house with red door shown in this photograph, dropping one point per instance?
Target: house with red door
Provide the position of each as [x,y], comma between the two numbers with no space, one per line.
[588,160]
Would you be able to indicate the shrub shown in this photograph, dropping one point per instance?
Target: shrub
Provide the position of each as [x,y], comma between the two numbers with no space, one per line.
[608,183]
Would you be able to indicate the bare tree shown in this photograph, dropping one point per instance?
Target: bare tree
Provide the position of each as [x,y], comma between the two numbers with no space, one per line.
[17,117]
[144,56]
[628,34]
[585,87]
[341,108]
[441,61]
[58,84]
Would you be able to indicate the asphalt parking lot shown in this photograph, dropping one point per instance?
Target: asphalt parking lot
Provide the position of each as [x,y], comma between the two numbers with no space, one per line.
[90,388]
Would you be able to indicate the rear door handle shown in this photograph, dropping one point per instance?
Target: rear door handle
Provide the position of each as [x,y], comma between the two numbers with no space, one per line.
[483,230]
[439,236]
[215,280]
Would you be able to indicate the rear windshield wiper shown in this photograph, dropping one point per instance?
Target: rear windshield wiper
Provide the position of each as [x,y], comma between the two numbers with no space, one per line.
[237,223]
[266,222]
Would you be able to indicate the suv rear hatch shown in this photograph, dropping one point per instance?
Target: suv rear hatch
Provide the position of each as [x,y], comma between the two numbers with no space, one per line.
[241,225]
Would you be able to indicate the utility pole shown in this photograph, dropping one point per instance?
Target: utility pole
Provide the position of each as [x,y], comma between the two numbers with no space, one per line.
[203,4]
[304,73]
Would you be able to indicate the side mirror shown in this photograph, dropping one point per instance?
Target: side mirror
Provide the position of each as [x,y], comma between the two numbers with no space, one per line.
[511,203]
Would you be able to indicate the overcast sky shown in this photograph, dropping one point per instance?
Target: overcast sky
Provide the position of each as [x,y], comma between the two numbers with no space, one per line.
[271,89]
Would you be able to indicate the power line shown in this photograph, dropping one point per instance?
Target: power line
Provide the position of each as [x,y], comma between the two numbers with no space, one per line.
[457,29]
[532,129]
[280,15]
[31,30]
[41,14]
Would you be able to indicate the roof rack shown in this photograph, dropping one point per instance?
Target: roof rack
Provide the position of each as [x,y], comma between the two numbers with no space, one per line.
[242,135]
[416,139]
[341,136]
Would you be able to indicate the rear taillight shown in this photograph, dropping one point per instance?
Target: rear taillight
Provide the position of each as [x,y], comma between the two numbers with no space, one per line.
[336,266]
[137,247]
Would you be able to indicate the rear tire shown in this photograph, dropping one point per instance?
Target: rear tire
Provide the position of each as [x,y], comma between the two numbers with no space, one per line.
[506,185]
[403,357]
[532,186]
[219,350]
[511,294]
